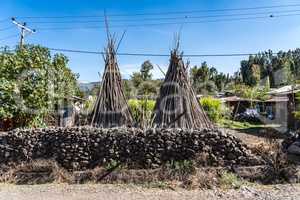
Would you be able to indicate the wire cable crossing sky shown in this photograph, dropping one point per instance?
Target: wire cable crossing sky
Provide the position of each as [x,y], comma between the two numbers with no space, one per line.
[220,32]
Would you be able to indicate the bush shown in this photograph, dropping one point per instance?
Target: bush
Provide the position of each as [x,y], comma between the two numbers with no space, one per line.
[297,114]
[214,108]
[230,180]
[279,169]
[33,85]
[141,111]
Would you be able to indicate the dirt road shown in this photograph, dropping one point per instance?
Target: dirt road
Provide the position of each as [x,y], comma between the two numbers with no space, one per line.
[108,192]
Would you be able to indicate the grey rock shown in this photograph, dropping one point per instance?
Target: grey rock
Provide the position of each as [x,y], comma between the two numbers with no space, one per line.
[294,148]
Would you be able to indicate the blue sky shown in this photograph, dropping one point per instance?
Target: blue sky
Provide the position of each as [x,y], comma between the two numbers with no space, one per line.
[205,38]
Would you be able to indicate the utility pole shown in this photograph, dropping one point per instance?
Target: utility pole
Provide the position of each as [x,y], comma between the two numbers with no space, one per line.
[24,31]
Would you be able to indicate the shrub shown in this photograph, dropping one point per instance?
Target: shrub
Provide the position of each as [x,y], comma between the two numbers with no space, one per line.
[279,169]
[213,107]
[297,114]
[141,111]
[230,180]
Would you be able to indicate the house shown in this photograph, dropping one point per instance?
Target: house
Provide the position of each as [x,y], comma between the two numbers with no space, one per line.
[289,92]
[278,109]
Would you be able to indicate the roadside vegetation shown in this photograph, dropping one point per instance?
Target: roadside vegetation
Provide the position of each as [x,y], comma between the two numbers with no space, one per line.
[34,84]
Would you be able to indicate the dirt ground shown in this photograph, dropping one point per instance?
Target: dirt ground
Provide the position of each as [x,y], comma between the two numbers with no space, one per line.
[107,192]
[249,139]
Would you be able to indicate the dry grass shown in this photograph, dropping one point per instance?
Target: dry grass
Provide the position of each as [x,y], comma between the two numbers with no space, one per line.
[36,172]
[177,174]
[279,169]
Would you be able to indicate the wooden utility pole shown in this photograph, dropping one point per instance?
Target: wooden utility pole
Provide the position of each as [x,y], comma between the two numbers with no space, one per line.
[24,31]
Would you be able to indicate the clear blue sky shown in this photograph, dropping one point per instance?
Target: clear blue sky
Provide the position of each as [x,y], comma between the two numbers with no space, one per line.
[205,38]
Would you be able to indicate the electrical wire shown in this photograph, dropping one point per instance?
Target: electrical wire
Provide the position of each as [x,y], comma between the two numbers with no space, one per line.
[163,18]
[165,13]
[152,54]
[167,23]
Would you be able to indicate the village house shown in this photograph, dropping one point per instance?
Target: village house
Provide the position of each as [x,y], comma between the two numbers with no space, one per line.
[279,108]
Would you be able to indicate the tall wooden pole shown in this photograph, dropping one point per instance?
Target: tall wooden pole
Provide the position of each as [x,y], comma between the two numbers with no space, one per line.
[24,31]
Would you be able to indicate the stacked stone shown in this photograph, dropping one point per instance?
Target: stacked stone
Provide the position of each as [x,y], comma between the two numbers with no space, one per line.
[84,148]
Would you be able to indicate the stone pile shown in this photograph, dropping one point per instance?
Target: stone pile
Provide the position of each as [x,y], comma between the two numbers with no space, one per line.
[85,147]
[292,144]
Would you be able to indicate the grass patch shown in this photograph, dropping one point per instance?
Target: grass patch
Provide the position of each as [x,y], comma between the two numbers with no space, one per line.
[230,180]
[237,125]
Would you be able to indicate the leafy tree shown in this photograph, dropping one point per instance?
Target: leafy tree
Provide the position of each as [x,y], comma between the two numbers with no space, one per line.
[208,80]
[136,79]
[250,72]
[147,88]
[277,68]
[254,93]
[33,84]
[146,70]
[142,81]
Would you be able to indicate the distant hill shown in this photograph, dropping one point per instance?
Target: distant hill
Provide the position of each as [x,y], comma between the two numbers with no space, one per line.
[87,86]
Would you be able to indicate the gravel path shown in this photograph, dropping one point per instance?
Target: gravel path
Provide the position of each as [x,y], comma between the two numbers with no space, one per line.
[108,192]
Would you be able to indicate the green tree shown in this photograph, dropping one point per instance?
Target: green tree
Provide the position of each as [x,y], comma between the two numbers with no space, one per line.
[250,71]
[136,79]
[142,81]
[146,70]
[33,84]
[207,79]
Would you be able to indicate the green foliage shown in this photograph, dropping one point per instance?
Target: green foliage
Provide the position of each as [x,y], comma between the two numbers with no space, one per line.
[230,180]
[147,88]
[111,164]
[250,72]
[208,80]
[278,68]
[136,79]
[141,110]
[214,108]
[146,70]
[32,84]
[142,82]
[297,112]
[88,105]
[254,93]
[128,85]
[231,124]
[181,167]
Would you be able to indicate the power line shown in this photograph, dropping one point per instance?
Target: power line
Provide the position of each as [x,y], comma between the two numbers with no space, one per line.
[152,54]
[148,54]
[212,10]
[164,18]
[164,13]
[170,23]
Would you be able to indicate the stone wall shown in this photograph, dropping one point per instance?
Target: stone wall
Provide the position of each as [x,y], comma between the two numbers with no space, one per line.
[85,148]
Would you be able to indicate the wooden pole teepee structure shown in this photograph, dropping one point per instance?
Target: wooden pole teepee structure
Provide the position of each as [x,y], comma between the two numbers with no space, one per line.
[177,106]
[111,108]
